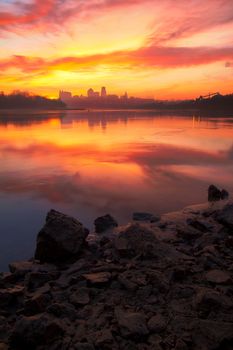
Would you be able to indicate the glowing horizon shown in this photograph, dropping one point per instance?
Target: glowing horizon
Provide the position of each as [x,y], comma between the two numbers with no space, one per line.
[148,48]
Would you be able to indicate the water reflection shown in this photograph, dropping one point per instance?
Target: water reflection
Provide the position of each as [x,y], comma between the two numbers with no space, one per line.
[90,163]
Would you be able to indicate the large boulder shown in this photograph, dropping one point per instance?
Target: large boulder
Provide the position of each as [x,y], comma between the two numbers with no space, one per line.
[104,223]
[62,238]
[214,194]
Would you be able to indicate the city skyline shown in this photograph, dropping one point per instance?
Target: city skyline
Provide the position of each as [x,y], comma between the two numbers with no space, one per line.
[101,98]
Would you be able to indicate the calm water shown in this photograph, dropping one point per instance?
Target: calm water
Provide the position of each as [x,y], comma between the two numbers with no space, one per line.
[90,163]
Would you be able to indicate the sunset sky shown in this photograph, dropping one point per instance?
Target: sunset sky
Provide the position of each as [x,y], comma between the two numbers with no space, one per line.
[161,49]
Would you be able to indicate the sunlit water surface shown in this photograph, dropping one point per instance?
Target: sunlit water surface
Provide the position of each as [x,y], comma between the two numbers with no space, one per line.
[87,164]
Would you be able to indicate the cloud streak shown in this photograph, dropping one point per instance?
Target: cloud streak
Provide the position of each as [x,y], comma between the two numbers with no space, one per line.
[158,57]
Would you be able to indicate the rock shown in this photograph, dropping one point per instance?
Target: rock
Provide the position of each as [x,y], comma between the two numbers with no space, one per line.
[21,267]
[140,216]
[214,194]
[80,297]
[103,337]
[9,296]
[200,225]
[180,345]
[124,279]
[37,304]
[98,278]
[131,324]
[64,310]
[224,194]
[136,240]
[30,332]
[34,280]
[208,300]
[212,335]
[218,277]
[225,216]
[84,346]
[4,329]
[187,232]
[61,239]
[157,323]
[104,223]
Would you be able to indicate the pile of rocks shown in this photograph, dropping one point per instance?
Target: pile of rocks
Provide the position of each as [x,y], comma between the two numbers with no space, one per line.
[161,283]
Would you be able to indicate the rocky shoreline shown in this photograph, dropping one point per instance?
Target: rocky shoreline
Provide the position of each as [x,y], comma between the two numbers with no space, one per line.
[157,283]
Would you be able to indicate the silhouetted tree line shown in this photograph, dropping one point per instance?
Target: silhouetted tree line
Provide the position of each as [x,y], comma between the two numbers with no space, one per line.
[218,102]
[25,100]
[221,103]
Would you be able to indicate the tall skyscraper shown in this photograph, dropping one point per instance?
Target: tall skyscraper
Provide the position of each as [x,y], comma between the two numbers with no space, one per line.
[103,92]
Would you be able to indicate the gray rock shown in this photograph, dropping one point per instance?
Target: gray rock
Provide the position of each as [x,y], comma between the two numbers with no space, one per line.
[131,324]
[224,194]
[104,223]
[98,278]
[62,310]
[37,304]
[157,323]
[23,267]
[61,239]
[8,296]
[103,338]
[136,240]
[214,194]
[83,346]
[225,216]
[80,297]
[30,332]
[200,225]
[218,277]
[188,232]
[34,280]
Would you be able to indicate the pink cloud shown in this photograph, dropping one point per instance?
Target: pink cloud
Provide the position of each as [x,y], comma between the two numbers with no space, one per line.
[182,19]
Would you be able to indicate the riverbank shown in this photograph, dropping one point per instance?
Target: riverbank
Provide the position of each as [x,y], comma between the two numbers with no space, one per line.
[158,283]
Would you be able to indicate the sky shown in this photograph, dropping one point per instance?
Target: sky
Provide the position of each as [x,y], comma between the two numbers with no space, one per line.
[162,49]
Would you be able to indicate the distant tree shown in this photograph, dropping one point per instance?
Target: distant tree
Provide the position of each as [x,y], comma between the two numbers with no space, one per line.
[19,99]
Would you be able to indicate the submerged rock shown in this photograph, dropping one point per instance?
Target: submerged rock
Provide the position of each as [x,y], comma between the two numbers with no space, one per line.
[61,238]
[103,223]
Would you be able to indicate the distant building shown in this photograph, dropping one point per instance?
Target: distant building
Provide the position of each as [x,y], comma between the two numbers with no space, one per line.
[65,96]
[124,97]
[103,92]
[92,94]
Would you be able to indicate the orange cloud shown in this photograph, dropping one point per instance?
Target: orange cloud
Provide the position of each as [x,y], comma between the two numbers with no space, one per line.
[73,41]
[161,57]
